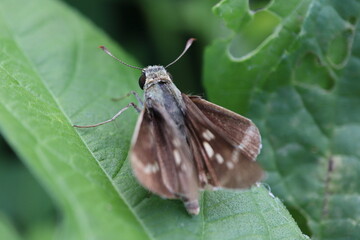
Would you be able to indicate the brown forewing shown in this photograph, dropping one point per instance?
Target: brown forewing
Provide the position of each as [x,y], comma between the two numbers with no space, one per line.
[241,130]
[161,158]
[216,136]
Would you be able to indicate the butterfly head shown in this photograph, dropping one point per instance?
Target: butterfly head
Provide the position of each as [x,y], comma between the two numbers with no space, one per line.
[153,74]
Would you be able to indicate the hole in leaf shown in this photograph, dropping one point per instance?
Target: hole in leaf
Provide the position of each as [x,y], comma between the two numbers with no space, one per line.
[309,70]
[253,34]
[339,48]
[257,5]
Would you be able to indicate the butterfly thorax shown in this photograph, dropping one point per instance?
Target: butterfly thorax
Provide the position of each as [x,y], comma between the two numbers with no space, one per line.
[162,92]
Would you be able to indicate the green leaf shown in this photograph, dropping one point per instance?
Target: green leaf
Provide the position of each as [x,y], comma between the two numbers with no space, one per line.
[41,231]
[52,77]
[41,55]
[7,231]
[300,84]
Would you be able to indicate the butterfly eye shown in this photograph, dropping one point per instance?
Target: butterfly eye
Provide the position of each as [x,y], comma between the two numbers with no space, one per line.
[142,80]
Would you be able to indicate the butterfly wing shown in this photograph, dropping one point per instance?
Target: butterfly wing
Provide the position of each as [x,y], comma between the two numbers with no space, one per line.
[224,145]
[144,157]
[240,130]
[161,158]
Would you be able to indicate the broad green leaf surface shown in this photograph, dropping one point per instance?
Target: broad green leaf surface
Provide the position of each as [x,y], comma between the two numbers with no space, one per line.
[301,85]
[52,76]
[42,51]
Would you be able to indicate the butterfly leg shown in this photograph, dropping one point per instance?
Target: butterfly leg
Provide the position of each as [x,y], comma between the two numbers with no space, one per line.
[113,118]
[127,95]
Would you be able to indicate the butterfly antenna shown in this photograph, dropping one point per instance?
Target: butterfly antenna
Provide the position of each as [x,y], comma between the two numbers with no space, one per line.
[188,44]
[110,54]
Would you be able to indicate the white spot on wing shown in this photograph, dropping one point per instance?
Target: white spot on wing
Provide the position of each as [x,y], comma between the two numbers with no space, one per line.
[184,167]
[230,165]
[177,157]
[249,134]
[235,156]
[208,135]
[219,158]
[176,142]
[241,146]
[147,169]
[151,168]
[208,149]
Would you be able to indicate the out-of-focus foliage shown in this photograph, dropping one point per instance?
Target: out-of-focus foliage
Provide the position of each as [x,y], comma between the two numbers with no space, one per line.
[300,82]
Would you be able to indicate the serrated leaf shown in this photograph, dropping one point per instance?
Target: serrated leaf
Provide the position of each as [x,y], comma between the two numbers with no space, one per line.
[301,86]
[53,77]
